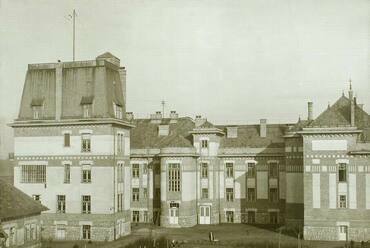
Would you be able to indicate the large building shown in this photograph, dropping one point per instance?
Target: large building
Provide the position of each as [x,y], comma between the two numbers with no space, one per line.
[72,147]
[97,168]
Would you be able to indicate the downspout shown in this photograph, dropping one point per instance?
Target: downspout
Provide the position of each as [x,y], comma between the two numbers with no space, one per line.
[114,182]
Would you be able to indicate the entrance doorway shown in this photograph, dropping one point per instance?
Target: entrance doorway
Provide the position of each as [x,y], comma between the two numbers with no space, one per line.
[343,233]
[174,213]
[205,215]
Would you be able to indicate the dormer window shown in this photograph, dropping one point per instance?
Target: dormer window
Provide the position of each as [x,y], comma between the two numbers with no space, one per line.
[36,105]
[117,110]
[204,143]
[86,103]
[86,110]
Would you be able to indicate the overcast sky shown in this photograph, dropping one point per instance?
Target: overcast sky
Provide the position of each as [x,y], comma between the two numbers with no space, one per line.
[231,61]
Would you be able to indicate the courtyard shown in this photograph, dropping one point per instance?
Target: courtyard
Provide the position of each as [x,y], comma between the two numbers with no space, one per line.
[228,235]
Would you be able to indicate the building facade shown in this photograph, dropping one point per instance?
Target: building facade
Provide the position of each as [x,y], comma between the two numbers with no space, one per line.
[72,148]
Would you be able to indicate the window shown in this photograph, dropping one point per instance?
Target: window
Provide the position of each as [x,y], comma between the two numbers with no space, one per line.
[273,217]
[229,170]
[61,203]
[273,195]
[174,177]
[342,201]
[67,140]
[157,193]
[12,239]
[87,109]
[120,172]
[145,168]
[251,194]
[120,202]
[120,145]
[204,170]
[135,216]
[67,173]
[86,232]
[204,193]
[135,171]
[204,143]
[86,143]
[251,170]
[36,112]
[135,194]
[145,193]
[342,172]
[273,170]
[36,198]
[33,173]
[229,194]
[230,216]
[145,214]
[251,217]
[86,175]
[86,204]
[117,111]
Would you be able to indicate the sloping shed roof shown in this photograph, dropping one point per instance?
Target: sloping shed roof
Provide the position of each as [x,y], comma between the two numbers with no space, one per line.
[15,204]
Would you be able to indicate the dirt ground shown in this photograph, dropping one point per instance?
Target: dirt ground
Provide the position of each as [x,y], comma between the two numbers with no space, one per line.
[229,235]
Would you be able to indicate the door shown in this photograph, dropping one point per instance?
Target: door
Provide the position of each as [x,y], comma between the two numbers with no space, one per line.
[174,216]
[205,215]
[61,233]
[343,233]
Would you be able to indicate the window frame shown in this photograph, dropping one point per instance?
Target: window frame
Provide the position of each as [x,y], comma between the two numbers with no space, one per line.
[342,172]
[229,167]
[61,204]
[85,142]
[86,204]
[174,177]
[135,194]
[204,170]
[229,194]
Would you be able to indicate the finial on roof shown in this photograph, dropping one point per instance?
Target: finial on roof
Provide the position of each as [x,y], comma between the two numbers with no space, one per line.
[350,83]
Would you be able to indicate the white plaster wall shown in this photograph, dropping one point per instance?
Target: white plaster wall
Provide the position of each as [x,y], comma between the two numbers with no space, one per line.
[352,191]
[213,148]
[316,194]
[222,184]
[262,185]
[127,146]
[188,192]
[367,190]
[239,184]
[294,188]
[329,145]
[332,190]
[54,146]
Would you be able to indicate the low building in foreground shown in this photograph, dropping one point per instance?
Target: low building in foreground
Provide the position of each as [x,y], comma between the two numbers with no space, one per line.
[20,223]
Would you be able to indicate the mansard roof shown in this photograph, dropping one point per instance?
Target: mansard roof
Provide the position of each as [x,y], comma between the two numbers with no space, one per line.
[249,136]
[15,204]
[79,82]
[340,115]
[145,133]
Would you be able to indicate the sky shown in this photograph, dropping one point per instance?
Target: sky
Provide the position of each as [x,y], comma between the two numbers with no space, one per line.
[230,61]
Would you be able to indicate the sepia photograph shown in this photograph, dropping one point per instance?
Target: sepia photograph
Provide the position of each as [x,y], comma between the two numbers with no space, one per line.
[185,123]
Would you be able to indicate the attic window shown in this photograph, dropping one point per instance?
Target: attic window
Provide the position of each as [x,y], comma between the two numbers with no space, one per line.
[117,110]
[36,112]
[86,102]
[232,132]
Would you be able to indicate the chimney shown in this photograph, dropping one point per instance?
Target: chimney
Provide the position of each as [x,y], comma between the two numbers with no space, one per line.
[232,132]
[156,118]
[199,120]
[173,116]
[263,128]
[129,116]
[352,104]
[310,111]
[163,130]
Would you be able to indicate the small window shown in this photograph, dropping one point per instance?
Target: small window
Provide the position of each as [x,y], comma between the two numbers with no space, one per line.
[158,193]
[204,168]
[87,109]
[342,172]
[204,193]
[86,232]
[342,201]
[229,194]
[86,143]
[251,217]
[120,172]
[86,204]
[230,216]
[273,195]
[273,170]
[36,198]
[251,194]
[204,143]
[273,217]
[251,170]
[120,202]
[36,112]
[145,215]
[120,140]
[86,175]
[135,216]
[145,193]
[135,171]
[135,194]
[145,168]
[67,173]
[61,203]
[67,140]
[229,170]
[117,111]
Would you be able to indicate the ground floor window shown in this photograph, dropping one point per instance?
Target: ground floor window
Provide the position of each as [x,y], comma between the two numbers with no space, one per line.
[251,217]
[86,232]
[273,217]
[230,216]
[60,233]
[135,216]
[145,216]
[343,233]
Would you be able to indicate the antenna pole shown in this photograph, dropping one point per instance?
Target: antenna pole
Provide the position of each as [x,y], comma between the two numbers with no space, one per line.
[163,103]
[74,33]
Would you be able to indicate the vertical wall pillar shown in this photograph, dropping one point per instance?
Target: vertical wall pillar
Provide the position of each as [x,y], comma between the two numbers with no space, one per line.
[58,90]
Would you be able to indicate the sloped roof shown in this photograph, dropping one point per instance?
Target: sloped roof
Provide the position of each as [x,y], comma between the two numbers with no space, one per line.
[15,204]
[106,55]
[340,115]
[206,124]
[145,134]
[249,136]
